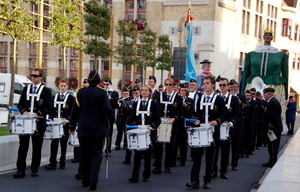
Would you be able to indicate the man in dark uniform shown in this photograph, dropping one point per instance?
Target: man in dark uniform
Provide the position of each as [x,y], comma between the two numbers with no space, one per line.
[91,111]
[238,130]
[152,83]
[272,125]
[65,113]
[41,108]
[123,115]
[160,88]
[233,116]
[113,97]
[216,116]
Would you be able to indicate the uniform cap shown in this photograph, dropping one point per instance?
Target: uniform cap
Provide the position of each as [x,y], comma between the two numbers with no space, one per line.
[269,90]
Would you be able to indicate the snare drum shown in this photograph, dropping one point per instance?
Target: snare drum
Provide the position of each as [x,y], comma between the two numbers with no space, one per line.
[54,130]
[138,139]
[200,136]
[224,132]
[23,124]
[164,131]
[74,141]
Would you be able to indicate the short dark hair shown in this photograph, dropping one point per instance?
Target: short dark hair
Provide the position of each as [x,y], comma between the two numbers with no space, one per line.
[212,79]
[40,71]
[224,79]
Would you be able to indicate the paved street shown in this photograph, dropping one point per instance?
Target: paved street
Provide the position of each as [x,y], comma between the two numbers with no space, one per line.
[249,173]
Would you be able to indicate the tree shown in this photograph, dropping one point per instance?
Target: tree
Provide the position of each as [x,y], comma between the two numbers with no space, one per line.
[147,51]
[65,26]
[164,59]
[97,19]
[16,23]
[124,52]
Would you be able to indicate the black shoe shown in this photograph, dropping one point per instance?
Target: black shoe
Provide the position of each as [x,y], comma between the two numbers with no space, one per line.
[19,174]
[50,167]
[156,170]
[75,160]
[173,165]
[92,188]
[78,176]
[206,186]
[133,180]
[62,167]
[117,148]
[267,164]
[234,169]
[242,156]
[126,162]
[252,153]
[182,164]
[85,183]
[247,156]
[34,173]
[257,148]
[214,174]
[223,176]
[145,180]
[192,185]
[168,171]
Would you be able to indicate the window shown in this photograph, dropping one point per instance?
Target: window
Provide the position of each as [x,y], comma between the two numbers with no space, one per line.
[258,26]
[247,4]
[294,61]
[272,19]
[286,28]
[3,64]
[104,68]
[297,33]
[74,68]
[18,88]
[33,48]
[108,4]
[74,52]
[245,22]
[135,11]
[2,86]
[259,6]
[4,48]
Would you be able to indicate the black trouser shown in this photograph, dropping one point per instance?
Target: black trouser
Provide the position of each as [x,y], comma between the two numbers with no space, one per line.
[37,142]
[110,132]
[121,129]
[209,157]
[290,125]
[54,148]
[225,147]
[235,146]
[273,147]
[91,158]
[169,150]
[137,163]
[76,153]
[181,143]
[248,139]
[128,155]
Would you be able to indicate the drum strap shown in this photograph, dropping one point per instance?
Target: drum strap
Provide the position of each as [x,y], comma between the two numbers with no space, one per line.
[37,95]
[229,101]
[202,103]
[60,102]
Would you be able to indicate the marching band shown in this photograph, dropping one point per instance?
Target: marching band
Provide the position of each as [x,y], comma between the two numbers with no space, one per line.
[149,121]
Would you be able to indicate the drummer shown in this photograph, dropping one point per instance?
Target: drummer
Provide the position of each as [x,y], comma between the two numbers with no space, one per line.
[65,113]
[172,114]
[216,116]
[41,108]
[153,120]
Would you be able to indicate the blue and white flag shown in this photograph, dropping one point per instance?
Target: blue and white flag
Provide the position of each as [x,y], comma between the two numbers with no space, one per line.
[190,72]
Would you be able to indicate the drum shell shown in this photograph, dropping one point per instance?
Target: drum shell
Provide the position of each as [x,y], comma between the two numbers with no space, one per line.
[54,130]
[138,139]
[24,124]
[224,132]
[164,132]
[74,141]
[200,136]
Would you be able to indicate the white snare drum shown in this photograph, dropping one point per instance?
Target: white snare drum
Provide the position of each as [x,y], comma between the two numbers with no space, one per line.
[164,131]
[200,136]
[224,132]
[54,130]
[138,139]
[23,124]
[74,141]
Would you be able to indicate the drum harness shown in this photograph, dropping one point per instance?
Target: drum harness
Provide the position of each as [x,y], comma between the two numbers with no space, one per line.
[173,95]
[60,104]
[33,95]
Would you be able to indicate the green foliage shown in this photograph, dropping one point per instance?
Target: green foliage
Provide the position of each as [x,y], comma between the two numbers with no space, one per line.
[97,19]
[15,21]
[164,59]
[66,24]
[126,29]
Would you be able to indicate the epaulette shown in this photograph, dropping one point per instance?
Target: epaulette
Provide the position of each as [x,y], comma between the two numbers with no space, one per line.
[76,100]
[77,90]
[101,88]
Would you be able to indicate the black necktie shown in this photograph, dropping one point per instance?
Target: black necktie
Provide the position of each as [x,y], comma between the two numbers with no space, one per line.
[168,97]
[207,99]
[144,104]
[61,97]
[34,89]
[224,97]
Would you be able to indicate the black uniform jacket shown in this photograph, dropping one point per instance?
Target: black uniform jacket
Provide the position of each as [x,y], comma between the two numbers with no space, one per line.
[65,112]
[124,110]
[42,107]
[91,111]
[113,100]
[272,117]
[248,114]
[218,114]
[153,119]
[189,110]
[173,111]
[233,114]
